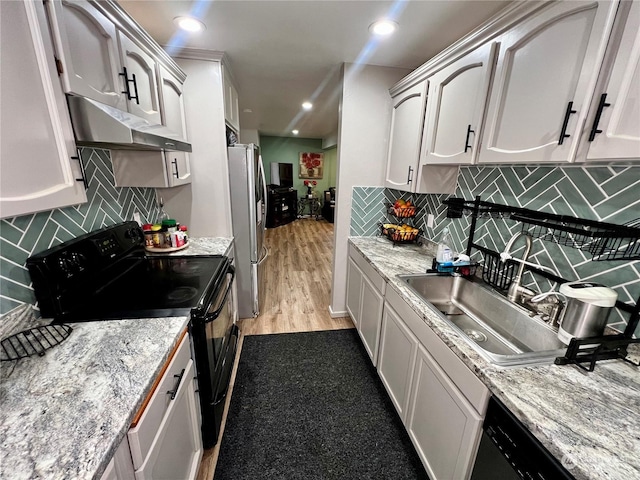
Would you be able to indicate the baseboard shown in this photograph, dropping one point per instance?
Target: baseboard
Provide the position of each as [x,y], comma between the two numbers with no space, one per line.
[339,314]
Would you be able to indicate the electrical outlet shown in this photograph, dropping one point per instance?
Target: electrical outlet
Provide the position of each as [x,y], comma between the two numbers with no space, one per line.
[137,218]
[430,220]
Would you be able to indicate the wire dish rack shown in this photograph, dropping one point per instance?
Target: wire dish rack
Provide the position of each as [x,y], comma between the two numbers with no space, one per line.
[603,241]
[34,341]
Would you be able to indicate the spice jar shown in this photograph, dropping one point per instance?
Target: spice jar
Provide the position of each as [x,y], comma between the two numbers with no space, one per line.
[183,229]
[148,235]
[157,236]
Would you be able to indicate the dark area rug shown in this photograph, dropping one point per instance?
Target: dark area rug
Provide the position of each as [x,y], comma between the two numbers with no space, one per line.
[311,406]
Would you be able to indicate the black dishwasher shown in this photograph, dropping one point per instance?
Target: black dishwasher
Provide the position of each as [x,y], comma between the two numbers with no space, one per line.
[509,451]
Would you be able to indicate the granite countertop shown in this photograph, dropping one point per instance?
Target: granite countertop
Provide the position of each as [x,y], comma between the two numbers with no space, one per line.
[63,415]
[204,246]
[590,421]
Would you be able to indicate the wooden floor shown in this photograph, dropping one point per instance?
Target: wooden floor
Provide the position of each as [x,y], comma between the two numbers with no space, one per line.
[295,294]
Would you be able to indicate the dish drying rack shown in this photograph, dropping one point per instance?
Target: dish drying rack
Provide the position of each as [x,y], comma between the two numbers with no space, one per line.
[603,241]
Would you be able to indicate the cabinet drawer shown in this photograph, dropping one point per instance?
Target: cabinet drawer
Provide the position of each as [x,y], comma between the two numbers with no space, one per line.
[374,277]
[143,431]
[464,379]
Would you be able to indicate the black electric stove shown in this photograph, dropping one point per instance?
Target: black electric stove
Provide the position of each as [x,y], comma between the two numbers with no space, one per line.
[106,275]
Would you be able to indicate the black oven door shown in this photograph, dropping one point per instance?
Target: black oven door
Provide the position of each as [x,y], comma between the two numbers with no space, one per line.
[214,335]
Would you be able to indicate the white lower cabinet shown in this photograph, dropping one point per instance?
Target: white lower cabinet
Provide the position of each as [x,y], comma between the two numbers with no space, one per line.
[354,290]
[120,467]
[439,399]
[396,358]
[444,427]
[365,300]
[166,441]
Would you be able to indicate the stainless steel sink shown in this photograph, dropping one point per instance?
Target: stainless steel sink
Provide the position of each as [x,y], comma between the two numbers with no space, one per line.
[500,331]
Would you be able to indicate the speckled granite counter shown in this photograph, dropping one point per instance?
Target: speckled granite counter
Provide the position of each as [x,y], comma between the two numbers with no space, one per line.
[589,421]
[64,414]
[205,246]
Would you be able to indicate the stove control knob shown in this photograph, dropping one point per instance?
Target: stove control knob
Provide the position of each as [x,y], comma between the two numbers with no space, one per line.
[65,266]
[134,235]
[78,261]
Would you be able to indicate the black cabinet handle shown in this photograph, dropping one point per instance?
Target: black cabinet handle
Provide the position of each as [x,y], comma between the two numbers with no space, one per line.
[83,178]
[594,129]
[563,133]
[466,142]
[174,392]
[410,175]
[127,81]
[175,165]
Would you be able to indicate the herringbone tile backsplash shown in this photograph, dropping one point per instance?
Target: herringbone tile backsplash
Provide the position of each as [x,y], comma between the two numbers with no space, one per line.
[106,205]
[609,194]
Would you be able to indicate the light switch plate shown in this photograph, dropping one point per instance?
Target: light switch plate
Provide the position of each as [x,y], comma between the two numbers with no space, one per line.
[136,217]
[430,220]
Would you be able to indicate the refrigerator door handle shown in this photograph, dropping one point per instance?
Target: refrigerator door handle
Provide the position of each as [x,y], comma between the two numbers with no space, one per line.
[264,204]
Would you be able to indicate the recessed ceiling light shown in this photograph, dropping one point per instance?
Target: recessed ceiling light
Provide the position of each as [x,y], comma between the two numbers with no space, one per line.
[383,27]
[189,24]
[295,132]
[307,105]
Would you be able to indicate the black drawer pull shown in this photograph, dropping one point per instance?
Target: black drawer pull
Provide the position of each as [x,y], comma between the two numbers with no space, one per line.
[466,142]
[565,123]
[176,386]
[175,168]
[594,130]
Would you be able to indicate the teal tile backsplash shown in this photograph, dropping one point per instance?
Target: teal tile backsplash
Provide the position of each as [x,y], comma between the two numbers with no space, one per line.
[609,194]
[106,205]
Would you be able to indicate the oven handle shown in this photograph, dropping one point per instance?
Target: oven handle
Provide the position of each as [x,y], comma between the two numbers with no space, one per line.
[210,317]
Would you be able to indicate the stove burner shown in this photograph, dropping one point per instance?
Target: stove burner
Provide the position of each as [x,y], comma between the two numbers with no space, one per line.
[182,294]
[187,268]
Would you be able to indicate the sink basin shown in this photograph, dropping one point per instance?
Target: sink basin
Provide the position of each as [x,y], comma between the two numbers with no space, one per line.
[500,331]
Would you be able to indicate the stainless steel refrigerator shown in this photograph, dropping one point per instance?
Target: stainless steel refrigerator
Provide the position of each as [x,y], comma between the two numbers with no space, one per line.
[248,214]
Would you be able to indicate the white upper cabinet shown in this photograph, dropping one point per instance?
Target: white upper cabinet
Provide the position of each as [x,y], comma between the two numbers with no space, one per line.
[173,117]
[457,99]
[231,102]
[406,134]
[87,47]
[614,128]
[545,75]
[39,171]
[141,82]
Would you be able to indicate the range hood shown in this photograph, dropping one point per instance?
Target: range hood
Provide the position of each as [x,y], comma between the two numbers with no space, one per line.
[98,125]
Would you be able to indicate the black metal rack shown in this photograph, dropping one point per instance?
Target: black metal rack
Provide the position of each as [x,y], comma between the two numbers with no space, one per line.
[604,241]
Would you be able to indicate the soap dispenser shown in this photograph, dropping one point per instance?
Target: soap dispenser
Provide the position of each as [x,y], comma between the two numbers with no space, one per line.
[444,252]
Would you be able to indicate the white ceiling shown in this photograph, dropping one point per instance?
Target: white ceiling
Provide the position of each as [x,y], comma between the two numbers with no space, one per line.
[282,53]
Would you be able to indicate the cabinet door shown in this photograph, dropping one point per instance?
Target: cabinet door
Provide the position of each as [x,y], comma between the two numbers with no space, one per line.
[444,427]
[406,134]
[177,448]
[38,171]
[618,103]
[141,79]
[370,318]
[396,359]
[354,291]
[173,117]
[231,105]
[544,79]
[88,49]
[457,99]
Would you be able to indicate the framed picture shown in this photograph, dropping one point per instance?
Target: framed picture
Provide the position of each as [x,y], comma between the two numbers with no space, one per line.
[311,165]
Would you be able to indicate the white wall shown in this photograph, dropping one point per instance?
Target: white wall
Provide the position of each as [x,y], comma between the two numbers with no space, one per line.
[204,205]
[363,133]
